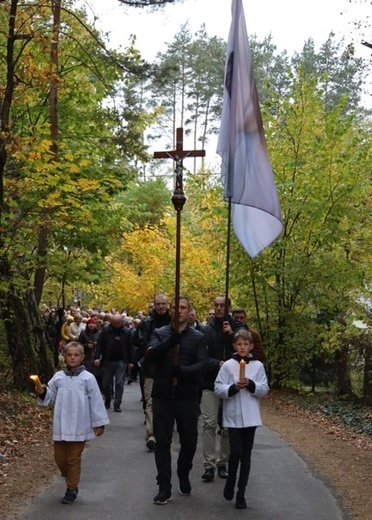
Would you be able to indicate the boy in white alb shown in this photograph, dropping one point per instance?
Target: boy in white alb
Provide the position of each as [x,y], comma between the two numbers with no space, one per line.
[79,415]
[241,383]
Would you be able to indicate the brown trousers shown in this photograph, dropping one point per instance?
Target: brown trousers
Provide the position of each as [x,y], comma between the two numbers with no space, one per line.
[68,459]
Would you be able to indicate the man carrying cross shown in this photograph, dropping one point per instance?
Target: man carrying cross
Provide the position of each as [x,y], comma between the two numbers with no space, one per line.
[179,353]
[176,403]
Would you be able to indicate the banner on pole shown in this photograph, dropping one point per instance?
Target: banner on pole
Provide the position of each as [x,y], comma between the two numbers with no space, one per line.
[246,174]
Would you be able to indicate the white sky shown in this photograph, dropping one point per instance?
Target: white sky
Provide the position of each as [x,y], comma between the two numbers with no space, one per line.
[291,22]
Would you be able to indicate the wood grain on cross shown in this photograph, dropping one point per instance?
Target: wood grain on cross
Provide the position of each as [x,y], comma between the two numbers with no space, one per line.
[178,200]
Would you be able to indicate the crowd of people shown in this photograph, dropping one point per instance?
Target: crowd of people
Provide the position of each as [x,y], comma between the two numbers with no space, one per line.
[188,371]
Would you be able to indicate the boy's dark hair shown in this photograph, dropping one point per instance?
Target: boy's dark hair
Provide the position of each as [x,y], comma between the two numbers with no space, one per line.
[244,334]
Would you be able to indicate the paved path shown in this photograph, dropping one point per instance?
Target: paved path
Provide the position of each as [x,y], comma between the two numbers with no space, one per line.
[118,481]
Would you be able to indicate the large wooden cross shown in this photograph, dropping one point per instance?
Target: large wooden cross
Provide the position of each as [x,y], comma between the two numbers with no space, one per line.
[178,155]
[178,200]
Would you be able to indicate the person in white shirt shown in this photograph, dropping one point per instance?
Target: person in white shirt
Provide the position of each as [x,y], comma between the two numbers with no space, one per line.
[79,415]
[241,383]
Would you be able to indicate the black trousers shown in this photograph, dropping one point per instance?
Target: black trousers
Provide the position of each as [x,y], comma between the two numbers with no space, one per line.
[241,444]
[165,414]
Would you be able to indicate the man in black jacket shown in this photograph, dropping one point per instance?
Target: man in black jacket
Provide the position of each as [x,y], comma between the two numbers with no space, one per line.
[219,333]
[114,352]
[158,317]
[180,357]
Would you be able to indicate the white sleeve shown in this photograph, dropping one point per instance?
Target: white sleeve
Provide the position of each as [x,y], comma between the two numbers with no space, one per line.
[261,383]
[221,384]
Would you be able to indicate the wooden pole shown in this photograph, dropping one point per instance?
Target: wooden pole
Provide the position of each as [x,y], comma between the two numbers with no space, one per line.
[178,200]
[227,272]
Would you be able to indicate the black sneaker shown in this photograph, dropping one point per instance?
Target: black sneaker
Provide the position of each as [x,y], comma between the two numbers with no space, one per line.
[117,408]
[208,475]
[228,491]
[184,485]
[163,497]
[70,496]
[240,502]
[107,404]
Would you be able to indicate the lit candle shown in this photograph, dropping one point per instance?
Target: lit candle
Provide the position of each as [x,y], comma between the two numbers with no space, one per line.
[242,369]
[39,387]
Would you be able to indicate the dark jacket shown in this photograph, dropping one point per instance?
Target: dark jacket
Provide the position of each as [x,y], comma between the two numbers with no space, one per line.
[114,345]
[142,337]
[192,359]
[220,347]
[197,326]
[89,340]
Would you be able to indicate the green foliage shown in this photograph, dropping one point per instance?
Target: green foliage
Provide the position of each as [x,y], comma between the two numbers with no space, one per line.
[352,414]
[341,72]
[144,203]
[319,159]
[355,416]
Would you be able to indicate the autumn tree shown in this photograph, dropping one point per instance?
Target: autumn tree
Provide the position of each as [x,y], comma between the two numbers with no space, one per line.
[320,158]
[42,192]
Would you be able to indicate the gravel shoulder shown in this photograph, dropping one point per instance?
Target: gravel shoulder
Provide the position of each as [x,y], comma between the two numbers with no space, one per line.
[341,457]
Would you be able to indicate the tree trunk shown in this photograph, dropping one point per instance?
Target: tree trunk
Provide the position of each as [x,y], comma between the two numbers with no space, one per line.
[26,338]
[42,248]
[367,378]
[343,380]
[6,101]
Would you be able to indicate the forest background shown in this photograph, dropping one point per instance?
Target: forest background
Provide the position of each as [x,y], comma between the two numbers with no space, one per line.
[86,215]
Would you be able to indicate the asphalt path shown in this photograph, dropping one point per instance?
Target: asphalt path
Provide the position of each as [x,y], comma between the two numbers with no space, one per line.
[118,481]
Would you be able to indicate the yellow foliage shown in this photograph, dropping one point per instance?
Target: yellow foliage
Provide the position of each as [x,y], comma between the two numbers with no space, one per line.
[34,155]
[83,163]
[145,265]
[73,168]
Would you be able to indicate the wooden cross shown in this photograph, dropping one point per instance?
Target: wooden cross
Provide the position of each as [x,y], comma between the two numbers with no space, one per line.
[178,200]
[178,155]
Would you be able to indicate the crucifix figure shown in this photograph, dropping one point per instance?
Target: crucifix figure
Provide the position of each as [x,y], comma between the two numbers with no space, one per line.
[178,155]
[178,200]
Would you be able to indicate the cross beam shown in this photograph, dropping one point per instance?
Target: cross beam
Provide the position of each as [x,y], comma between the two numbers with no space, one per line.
[179,153]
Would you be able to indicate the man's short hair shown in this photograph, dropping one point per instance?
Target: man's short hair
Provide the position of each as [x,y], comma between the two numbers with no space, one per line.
[239,309]
[181,297]
[224,297]
[157,295]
